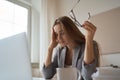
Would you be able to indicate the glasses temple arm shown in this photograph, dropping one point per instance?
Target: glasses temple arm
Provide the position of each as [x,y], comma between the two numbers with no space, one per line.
[89,16]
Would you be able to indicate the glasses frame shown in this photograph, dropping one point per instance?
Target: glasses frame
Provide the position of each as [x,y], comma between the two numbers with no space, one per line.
[72,15]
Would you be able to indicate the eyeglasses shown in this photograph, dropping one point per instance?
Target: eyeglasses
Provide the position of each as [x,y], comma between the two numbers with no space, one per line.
[72,15]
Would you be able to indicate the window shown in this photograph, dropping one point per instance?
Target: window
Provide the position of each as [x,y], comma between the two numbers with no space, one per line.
[13,19]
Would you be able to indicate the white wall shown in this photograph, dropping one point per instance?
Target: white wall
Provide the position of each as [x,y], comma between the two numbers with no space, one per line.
[108,28]
[52,14]
[106,60]
[85,6]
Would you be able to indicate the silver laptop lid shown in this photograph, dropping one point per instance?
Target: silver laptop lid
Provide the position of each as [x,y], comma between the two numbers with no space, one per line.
[14,58]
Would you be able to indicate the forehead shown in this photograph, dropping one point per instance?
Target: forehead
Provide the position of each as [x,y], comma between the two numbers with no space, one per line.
[58,28]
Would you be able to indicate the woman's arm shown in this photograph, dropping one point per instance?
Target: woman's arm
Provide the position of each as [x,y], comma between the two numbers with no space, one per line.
[52,45]
[49,68]
[48,59]
[89,69]
[89,51]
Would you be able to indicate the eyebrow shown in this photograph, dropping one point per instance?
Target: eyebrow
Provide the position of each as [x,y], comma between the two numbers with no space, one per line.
[60,31]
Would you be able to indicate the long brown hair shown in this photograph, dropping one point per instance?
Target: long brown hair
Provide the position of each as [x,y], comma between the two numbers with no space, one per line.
[74,32]
[71,29]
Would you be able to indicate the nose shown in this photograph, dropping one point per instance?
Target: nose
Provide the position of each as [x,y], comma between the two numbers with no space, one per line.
[59,38]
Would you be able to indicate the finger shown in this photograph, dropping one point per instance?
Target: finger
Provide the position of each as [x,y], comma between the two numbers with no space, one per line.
[53,34]
[53,31]
[88,29]
[90,25]
[87,23]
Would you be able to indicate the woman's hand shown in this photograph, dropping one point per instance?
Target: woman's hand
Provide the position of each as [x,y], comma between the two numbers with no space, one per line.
[90,30]
[89,50]
[53,42]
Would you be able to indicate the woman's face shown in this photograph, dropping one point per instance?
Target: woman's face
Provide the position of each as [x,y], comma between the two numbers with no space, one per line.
[62,36]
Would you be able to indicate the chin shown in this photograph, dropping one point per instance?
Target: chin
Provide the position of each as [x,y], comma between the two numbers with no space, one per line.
[62,45]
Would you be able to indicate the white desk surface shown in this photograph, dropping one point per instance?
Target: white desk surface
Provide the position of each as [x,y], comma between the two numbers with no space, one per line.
[40,79]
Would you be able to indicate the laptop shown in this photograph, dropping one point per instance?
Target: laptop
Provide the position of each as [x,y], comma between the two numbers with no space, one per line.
[15,58]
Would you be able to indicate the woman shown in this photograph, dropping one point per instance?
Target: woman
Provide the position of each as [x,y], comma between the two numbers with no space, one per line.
[74,48]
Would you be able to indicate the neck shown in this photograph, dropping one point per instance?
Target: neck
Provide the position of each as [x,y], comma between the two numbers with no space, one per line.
[72,45]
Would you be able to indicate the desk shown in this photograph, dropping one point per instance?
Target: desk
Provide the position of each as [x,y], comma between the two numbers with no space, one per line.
[40,79]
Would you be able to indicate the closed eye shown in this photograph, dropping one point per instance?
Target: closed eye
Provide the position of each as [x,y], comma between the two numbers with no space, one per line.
[61,32]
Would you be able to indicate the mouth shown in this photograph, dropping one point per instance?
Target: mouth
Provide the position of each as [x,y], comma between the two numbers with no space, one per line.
[62,43]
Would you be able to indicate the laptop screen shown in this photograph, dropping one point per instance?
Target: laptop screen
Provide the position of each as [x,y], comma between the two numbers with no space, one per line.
[14,58]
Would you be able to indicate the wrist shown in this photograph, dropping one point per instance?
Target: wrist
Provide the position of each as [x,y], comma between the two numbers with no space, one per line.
[89,41]
[50,48]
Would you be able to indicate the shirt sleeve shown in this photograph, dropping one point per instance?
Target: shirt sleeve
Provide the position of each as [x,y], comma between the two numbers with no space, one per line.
[49,71]
[89,69]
